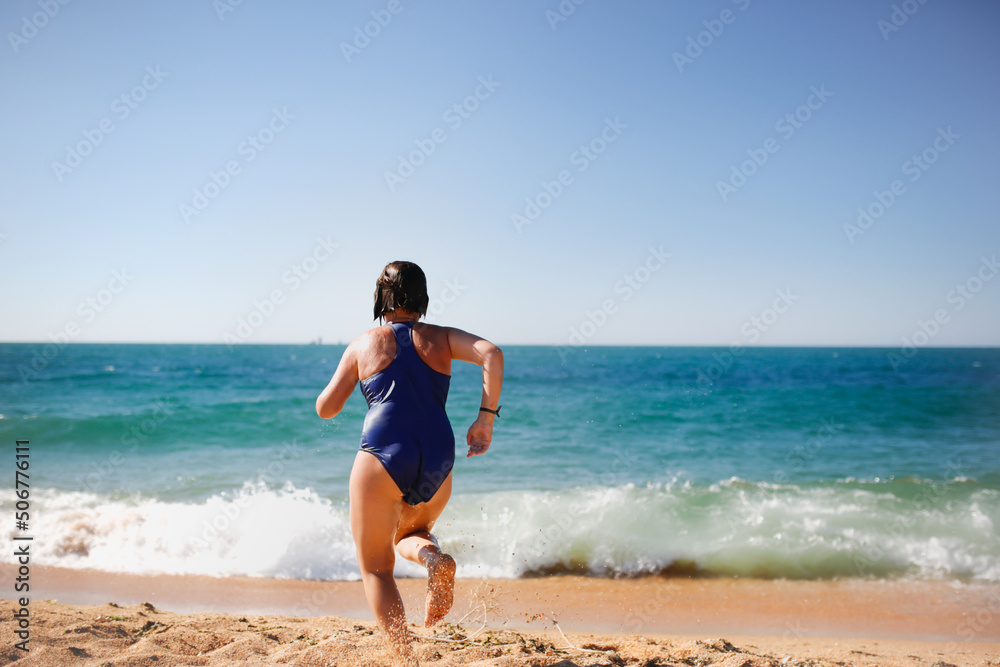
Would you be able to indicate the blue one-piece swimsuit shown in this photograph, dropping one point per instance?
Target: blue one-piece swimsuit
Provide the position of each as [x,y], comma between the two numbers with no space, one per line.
[406,426]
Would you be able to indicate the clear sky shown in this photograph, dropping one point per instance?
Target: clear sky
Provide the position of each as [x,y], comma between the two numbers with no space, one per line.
[640,172]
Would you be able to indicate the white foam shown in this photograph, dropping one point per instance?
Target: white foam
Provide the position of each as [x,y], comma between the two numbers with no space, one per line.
[733,528]
[256,531]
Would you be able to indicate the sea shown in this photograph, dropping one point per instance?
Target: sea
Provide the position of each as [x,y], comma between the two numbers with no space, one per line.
[787,463]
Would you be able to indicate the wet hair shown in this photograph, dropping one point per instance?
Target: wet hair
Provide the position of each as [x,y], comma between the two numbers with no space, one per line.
[401,285]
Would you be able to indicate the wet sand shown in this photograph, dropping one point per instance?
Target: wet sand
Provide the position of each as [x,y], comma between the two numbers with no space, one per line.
[505,622]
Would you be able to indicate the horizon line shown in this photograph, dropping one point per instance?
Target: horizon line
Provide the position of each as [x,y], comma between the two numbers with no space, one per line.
[975,346]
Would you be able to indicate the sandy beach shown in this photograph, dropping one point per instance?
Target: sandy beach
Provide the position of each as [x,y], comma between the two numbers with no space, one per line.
[95,618]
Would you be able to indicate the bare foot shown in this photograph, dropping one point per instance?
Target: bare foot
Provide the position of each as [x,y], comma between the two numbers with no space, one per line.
[440,587]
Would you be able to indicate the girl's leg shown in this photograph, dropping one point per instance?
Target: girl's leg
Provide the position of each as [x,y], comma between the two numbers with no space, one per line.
[414,542]
[376,507]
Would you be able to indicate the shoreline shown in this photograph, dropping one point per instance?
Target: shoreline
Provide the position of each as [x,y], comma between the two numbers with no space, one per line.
[885,609]
[87,617]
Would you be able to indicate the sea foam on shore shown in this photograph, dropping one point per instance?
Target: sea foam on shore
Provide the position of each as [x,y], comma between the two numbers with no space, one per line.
[910,528]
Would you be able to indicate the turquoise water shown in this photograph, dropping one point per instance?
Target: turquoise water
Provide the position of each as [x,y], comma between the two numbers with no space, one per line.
[608,461]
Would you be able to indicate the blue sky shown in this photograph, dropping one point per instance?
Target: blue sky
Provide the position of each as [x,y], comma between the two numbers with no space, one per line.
[697,169]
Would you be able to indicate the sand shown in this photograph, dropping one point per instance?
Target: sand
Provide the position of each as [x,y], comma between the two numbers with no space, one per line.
[549,621]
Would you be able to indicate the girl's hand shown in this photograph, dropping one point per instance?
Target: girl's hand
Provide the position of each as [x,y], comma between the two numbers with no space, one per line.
[480,435]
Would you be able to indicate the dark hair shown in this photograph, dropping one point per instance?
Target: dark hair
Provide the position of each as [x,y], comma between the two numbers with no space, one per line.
[401,285]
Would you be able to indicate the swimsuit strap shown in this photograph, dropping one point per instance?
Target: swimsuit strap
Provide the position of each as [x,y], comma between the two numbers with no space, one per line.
[407,355]
[403,332]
